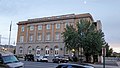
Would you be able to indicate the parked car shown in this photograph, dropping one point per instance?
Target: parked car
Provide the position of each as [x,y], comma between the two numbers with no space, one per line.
[60,59]
[8,60]
[42,58]
[29,57]
[68,65]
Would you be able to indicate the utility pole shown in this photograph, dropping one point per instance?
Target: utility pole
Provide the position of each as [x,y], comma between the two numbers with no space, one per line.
[9,37]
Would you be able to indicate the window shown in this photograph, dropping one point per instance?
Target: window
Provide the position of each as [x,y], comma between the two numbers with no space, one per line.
[47,51]
[57,36]
[31,27]
[48,36]
[38,51]
[39,37]
[66,24]
[39,27]
[48,26]
[31,38]
[56,51]
[22,28]
[21,50]
[29,50]
[58,26]
[21,39]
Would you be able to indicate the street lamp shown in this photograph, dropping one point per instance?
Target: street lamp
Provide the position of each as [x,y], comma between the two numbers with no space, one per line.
[73,52]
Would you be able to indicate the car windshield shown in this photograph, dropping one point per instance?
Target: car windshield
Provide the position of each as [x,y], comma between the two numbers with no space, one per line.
[9,59]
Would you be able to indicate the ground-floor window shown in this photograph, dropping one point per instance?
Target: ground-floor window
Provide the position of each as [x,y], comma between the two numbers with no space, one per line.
[47,49]
[56,51]
[30,50]
[37,51]
[20,50]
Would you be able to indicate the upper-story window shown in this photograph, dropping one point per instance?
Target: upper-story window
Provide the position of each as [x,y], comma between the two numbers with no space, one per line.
[31,38]
[22,28]
[66,24]
[57,36]
[48,26]
[48,36]
[39,37]
[21,39]
[57,25]
[31,27]
[39,27]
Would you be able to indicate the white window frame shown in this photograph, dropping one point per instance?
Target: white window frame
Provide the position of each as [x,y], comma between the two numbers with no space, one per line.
[48,26]
[57,25]
[21,39]
[22,28]
[48,36]
[31,27]
[47,51]
[31,38]
[20,50]
[30,50]
[57,36]
[39,38]
[56,52]
[39,27]
[38,51]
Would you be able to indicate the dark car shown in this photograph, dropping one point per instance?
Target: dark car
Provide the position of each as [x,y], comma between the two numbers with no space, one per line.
[66,65]
[60,59]
[29,57]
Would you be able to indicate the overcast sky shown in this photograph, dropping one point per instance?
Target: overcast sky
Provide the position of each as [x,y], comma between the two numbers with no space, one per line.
[108,11]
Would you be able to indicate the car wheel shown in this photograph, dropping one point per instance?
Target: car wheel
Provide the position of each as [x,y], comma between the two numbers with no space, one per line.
[47,61]
[37,60]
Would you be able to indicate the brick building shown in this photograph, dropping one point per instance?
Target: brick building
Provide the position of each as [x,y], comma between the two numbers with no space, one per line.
[42,36]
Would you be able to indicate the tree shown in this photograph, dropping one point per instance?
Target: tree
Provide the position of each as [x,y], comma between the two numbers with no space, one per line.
[110,52]
[84,36]
[70,37]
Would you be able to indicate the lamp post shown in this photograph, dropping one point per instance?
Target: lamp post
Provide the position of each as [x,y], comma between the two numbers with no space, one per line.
[9,37]
[103,53]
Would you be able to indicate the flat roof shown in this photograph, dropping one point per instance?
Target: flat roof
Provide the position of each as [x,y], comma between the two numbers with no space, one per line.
[56,18]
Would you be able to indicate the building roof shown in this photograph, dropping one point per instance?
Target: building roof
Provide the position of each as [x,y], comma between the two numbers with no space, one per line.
[56,18]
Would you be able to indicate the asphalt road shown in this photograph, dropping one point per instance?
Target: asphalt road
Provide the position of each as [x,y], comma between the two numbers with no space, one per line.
[29,64]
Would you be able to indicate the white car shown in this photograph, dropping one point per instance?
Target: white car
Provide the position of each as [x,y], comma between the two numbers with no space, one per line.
[8,60]
[42,58]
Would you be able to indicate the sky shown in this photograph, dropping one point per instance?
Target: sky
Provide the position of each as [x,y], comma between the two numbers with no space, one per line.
[108,11]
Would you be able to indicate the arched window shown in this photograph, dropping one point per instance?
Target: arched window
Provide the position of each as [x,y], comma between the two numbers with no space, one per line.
[38,51]
[29,50]
[47,49]
[56,51]
[20,50]
[66,51]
